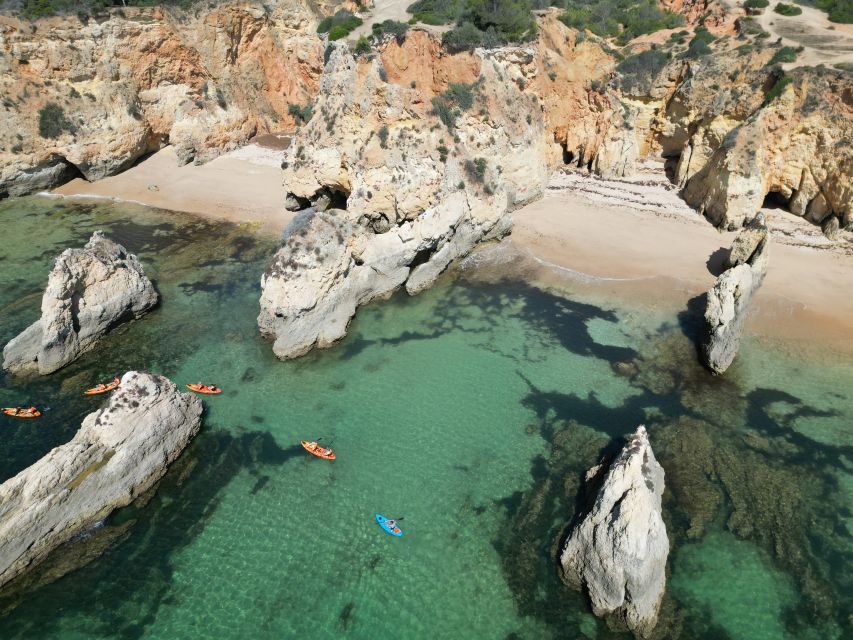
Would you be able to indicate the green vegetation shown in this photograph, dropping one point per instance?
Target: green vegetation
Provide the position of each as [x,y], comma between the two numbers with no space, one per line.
[476,169]
[52,121]
[699,44]
[838,10]
[339,25]
[34,9]
[457,98]
[785,54]
[488,23]
[299,114]
[623,19]
[787,9]
[383,136]
[637,72]
[392,27]
[756,4]
[777,89]
[362,46]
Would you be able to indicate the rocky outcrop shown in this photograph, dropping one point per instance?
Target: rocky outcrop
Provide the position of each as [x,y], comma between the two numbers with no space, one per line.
[409,192]
[617,551]
[89,96]
[89,292]
[119,452]
[730,298]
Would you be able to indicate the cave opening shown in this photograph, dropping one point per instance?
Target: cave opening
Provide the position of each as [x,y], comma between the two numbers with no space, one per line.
[775,200]
[568,156]
[422,257]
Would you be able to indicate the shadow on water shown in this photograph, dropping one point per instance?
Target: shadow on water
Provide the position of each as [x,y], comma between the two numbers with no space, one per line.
[119,593]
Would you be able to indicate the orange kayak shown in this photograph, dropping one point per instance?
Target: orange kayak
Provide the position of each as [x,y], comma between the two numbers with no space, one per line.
[16,412]
[315,449]
[201,388]
[101,388]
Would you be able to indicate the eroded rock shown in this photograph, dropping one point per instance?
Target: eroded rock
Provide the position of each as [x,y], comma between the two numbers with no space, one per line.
[730,298]
[119,452]
[617,551]
[89,292]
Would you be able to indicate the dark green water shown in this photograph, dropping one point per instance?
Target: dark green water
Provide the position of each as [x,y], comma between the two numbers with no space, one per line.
[472,411]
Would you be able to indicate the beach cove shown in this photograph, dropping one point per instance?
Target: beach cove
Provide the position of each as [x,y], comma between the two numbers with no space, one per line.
[471,410]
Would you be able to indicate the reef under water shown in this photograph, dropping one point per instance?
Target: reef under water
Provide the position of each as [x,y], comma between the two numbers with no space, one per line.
[471,411]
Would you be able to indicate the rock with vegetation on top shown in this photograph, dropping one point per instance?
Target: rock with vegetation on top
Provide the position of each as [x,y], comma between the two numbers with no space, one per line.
[617,551]
[409,190]
[119,452]
[89,292]
[731,296]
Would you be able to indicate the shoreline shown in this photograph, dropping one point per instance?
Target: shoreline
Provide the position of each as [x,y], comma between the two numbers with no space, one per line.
[243,186]
[666,261]
[635,238]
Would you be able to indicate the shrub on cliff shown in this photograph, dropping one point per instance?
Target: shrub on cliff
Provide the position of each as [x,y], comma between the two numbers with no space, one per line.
[339,25]
[52,121]
[638,72]
[623,19]
[777,89]
[299,114]
[487,23]
[362,46]
[756,4]
[838,10]
[787,9]
[785,54]
[391,27]
[699,44]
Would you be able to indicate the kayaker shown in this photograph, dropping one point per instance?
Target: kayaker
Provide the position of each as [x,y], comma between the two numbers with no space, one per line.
[116,381]
[391,523]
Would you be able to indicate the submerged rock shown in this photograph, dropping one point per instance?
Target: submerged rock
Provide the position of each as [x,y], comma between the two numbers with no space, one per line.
[89,292]
[729,299]
[119,452]
[617,552]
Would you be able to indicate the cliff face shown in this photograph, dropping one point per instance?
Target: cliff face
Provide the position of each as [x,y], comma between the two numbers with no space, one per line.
[133,80]
[422,155]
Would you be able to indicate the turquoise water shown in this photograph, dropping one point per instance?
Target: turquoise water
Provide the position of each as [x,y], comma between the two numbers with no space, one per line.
[471,411]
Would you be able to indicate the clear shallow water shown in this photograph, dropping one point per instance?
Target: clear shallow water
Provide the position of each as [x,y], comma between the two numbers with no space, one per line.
[471,411]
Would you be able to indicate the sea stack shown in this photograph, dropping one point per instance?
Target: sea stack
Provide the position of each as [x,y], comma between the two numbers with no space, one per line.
[731,295]
[89,292]
[617,551]
[119,452]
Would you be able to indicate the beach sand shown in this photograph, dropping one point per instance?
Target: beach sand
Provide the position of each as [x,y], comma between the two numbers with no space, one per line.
[241,186]
[670,259]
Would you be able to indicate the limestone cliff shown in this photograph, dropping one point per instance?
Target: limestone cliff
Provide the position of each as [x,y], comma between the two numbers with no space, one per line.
[617,551]
[422,155]
[89,292]
[731,296]
[119,452]
[91,95]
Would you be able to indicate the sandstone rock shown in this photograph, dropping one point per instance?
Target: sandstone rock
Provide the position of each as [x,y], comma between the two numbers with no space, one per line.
[118,453]
[132,81]
[831,228]
[89,292]
[750,238]
[410,210]
[617,551]
[731,296]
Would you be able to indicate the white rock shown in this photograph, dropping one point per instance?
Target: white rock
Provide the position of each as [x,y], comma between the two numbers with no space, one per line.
[118,453]
[89,292]
[618,551]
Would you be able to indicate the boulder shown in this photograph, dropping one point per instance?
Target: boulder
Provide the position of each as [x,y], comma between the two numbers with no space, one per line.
[89,292]
[617,551]
[730,298]
[118,453]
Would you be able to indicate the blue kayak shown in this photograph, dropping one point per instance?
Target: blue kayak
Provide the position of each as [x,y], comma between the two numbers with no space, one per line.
[383,522]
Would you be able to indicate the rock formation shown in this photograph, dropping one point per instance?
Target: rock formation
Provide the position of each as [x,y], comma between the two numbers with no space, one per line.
[617,551]
[89,292]
[88,96]
[119,452]
[729,299]
[421,156]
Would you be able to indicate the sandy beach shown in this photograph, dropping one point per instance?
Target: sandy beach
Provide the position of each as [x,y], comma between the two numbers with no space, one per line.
[669,257]
[240,186]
